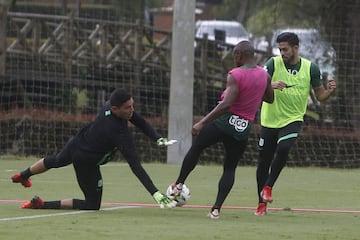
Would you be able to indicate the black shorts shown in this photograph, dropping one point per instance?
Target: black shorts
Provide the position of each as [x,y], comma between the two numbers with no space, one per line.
[275,135]
[86,168]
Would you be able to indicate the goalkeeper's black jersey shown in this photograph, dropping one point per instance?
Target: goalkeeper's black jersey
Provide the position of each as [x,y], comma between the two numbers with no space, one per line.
[108,132]
[99,139]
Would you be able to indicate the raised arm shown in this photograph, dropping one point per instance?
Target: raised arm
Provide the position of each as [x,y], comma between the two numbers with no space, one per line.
[144,126]
[323,94]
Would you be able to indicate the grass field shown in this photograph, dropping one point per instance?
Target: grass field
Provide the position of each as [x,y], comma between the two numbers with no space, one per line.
[304,188]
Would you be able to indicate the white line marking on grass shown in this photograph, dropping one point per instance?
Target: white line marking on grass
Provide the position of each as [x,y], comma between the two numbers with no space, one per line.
[237,207]
[62,214]
[113,164]
[118,205]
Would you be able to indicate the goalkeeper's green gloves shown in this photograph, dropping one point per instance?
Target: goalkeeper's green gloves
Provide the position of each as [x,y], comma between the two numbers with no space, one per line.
[163,200]
[165,142]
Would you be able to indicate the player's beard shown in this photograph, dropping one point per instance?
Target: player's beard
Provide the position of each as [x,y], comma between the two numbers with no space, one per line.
[288,59]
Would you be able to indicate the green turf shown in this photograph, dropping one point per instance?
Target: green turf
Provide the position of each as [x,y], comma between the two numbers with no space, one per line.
[313,188]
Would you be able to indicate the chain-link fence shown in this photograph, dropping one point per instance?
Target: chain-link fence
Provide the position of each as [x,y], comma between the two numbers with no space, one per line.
[59,68]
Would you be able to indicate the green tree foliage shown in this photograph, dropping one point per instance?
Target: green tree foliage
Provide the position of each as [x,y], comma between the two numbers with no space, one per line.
[284,13]
[261,17]
[229,10]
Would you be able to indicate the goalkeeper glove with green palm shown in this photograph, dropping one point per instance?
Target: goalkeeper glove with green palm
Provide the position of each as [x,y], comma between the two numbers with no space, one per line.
[165,142]
[163,200]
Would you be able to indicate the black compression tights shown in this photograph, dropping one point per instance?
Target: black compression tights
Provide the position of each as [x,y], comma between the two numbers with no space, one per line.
[269,168]
[233,151]
[274,148]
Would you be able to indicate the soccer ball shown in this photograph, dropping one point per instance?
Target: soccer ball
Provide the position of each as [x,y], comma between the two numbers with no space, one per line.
[182,198]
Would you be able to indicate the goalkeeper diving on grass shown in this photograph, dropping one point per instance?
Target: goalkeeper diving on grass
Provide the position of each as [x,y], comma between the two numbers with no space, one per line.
[93,146]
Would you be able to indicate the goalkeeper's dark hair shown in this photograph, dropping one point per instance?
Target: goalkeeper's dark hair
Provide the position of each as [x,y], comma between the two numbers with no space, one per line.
[119,96]
[288,37]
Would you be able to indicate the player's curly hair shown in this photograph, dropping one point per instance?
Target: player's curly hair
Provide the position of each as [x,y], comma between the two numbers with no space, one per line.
[119,96]
[288,37]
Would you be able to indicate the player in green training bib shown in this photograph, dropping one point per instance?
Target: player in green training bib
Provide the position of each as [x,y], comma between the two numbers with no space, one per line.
[292,78]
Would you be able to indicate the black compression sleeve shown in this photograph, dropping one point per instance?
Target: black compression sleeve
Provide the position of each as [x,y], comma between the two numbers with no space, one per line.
[145,127]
